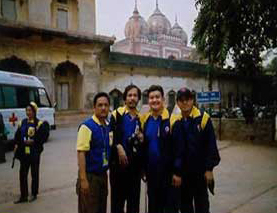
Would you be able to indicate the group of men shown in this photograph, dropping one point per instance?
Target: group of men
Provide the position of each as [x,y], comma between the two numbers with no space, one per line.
[175,155]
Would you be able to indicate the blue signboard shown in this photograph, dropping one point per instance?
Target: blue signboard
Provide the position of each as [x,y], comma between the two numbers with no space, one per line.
[208,97]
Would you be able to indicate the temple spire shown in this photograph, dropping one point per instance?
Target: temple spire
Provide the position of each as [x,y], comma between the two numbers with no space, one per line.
[157,4]
[136,7]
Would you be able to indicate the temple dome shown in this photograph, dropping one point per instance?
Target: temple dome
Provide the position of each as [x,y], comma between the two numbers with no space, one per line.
[158,23]
[136,26]
[178,31]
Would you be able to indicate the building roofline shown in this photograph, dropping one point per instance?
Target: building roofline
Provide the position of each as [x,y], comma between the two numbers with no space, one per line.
[22,30]
[118,58]
[153,62]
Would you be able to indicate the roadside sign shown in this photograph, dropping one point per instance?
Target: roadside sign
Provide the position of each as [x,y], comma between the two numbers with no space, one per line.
[208,97]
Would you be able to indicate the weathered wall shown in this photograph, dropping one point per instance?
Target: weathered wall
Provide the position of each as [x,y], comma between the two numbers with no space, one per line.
[43,13]
[261,131]
[236,87]
[87,17]
[43,58]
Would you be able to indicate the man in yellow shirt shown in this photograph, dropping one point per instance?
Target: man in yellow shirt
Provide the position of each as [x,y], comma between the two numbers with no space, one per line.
[93,151]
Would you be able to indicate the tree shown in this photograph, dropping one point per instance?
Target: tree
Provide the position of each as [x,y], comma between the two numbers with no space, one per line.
[272,67]
[242,29]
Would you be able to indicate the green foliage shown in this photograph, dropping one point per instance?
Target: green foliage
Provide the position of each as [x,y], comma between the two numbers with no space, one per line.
[241,28]
[272,67]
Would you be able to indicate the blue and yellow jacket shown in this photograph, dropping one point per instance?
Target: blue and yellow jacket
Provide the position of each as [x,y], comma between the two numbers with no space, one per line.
[94,139]
[163,140]
[195,149]
[122,130]
[36,130]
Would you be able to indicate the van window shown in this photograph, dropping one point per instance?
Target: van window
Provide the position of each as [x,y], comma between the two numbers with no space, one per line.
[43,99]
[10,97]
[22,96]
[33,95]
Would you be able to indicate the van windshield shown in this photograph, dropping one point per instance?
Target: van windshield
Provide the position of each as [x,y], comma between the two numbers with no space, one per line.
[43,98]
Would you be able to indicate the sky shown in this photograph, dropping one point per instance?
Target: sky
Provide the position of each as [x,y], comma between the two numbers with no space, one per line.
[112,15]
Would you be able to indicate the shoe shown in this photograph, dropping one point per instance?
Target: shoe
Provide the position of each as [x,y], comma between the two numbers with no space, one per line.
[33,198]
[21,200]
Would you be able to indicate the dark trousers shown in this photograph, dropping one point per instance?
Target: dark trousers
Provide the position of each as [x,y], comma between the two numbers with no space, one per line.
[157,189]
[125,186]
[2,151]
[173,200]
[96,200]
[194,194]
[25,164]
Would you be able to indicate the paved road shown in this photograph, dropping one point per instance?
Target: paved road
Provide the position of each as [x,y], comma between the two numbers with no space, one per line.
[246,180]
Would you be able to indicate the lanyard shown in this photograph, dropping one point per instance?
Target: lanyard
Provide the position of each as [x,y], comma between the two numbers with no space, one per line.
[104,137]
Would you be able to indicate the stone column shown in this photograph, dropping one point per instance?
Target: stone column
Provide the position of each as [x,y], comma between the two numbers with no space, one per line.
[87,16]
[90,84]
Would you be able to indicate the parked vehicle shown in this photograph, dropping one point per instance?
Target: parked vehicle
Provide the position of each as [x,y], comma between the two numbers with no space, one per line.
[16,91]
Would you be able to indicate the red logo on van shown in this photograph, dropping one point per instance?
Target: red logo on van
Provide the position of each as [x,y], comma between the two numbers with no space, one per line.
[13,119]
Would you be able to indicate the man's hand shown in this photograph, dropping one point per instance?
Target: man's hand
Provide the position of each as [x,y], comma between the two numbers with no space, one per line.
[15,148]
[140,136]
[123,159]
[209,177]
[84,186]
[176,181]
[210,181]
[29,142]
[143,176]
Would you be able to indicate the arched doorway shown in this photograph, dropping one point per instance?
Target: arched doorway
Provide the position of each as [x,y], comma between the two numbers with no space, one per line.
[116,98]
[68,86]
[171,100]
[15,64]
[145,97]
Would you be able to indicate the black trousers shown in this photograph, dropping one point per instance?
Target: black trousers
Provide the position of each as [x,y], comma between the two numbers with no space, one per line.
[2,151]
[25,164]
[157,190]
[125,187]
[194,194]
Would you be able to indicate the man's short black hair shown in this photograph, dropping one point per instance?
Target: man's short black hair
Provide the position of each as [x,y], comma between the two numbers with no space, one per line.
[153,88]
[128,88]
[99,95]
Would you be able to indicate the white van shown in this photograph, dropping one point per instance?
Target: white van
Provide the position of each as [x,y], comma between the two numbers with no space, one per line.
[16,91]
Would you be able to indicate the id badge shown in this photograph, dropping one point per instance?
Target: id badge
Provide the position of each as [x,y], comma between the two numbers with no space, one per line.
[27,150]
[105,160]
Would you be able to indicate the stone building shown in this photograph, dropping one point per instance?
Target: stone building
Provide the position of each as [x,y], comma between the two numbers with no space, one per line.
[156,37]
[56,41]
[119,70]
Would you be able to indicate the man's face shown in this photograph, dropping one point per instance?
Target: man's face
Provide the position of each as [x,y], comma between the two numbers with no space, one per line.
[155,100]
[132,98]
[185,104]
[101,108]
[29,112]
